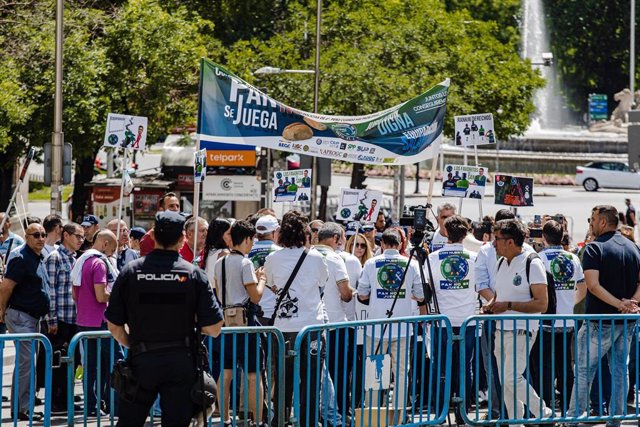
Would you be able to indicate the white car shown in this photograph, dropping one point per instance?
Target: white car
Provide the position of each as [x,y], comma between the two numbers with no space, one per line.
[609,174]
[177,154]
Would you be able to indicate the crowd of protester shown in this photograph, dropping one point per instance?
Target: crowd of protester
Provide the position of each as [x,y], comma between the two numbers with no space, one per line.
[290,272]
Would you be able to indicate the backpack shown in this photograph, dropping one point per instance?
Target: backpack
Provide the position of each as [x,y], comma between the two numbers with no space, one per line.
[551,285]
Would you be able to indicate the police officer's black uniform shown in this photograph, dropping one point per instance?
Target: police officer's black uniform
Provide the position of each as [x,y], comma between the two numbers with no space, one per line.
[159,297]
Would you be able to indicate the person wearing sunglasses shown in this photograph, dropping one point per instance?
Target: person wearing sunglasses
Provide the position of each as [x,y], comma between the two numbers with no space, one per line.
[24,299]
[315,227]
[362,249]
[61,321]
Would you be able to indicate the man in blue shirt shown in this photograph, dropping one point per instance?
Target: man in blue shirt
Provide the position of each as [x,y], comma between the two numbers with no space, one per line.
[611,267]
[24,299]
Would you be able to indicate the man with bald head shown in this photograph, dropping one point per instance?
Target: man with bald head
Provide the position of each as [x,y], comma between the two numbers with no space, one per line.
[24,299]
[91,295]
[125,253]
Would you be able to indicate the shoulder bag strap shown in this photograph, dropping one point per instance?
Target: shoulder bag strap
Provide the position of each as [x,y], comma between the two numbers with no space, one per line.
[288,285]
[224,282]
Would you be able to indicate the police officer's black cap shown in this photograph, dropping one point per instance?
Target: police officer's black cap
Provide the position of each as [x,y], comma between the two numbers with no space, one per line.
[169,223]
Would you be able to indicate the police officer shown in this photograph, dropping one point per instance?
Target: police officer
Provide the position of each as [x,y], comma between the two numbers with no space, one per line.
[162,299]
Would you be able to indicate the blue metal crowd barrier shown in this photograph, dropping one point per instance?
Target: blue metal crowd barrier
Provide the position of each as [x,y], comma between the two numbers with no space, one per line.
[30,343]
[249,362]
[99,351]
[531,357]
[371,373]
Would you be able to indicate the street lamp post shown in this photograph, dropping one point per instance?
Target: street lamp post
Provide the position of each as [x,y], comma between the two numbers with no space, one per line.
[58,136]
[632,49]
[316,96]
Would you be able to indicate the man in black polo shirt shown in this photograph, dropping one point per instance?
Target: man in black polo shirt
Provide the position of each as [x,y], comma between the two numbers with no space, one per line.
[24,299]
[611,267]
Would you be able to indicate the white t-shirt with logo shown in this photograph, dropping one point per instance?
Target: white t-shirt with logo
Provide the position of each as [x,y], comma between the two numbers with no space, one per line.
[261,249]
[337,273]
[354,268]
[302,305]
[567,273]
[454,279]
[380,279]
[438,241]
[512,285]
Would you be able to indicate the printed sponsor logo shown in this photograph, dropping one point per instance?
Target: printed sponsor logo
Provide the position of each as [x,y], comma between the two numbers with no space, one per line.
[231,158]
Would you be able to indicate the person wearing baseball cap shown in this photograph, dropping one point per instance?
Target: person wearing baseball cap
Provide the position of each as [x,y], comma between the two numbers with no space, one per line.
[91,226]
[135,234]
[267,231]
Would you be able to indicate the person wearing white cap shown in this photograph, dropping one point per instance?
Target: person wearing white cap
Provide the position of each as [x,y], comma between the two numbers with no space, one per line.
[267,228]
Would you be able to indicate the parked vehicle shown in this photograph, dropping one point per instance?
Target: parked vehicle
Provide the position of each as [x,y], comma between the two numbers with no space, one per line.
[609,174]
[177,154]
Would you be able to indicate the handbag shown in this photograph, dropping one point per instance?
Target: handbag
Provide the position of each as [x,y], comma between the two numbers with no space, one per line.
[288,285]
[234,315]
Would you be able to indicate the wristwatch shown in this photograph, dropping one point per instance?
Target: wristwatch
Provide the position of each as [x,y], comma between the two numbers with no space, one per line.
[509,306]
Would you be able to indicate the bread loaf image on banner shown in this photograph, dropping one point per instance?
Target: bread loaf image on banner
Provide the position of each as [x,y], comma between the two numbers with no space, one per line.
[297,132]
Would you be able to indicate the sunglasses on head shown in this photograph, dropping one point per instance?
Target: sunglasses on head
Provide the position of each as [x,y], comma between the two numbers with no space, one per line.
[38,235]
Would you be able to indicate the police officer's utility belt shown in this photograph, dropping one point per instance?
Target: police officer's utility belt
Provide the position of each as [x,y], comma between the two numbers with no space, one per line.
[144,347]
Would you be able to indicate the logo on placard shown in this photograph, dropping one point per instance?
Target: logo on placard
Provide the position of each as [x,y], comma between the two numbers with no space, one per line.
[113,139]
[345,213]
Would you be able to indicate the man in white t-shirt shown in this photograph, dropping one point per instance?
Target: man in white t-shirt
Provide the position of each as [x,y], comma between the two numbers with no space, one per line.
[454,284]
[517,292]
[267,228]
[568,277]
[340,346]
[440,237]
[237,286]
[379,284]
[485,275]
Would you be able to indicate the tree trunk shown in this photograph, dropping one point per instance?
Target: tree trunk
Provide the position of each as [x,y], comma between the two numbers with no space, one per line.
[357,176]
[6,185]
[81,194]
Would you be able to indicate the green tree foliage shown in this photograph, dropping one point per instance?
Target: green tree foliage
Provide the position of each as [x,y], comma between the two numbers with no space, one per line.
[377,54]
[136,58]
[505,13]
[590,41]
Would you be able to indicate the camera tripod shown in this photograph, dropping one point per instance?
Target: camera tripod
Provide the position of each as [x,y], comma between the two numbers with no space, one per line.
[418,253]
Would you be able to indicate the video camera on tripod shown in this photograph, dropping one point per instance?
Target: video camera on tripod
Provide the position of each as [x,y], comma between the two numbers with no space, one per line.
[416,217]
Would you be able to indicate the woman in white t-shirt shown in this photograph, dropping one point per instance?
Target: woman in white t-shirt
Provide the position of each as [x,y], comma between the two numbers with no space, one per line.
[216,245]
[300,306]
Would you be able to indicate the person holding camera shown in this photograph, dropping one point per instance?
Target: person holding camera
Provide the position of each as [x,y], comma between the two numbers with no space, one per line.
[454,284]
[240,292]
[161,299]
